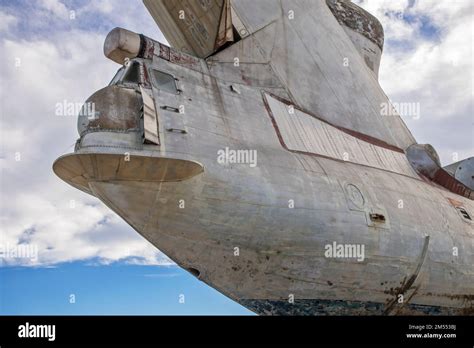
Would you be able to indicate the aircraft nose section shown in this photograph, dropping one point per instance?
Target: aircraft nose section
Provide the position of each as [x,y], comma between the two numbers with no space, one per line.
[112,146]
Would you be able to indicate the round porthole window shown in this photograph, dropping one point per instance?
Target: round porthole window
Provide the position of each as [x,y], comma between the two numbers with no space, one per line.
[355,196]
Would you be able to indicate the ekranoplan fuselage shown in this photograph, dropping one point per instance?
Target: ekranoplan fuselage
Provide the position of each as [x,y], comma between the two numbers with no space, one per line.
[265,168]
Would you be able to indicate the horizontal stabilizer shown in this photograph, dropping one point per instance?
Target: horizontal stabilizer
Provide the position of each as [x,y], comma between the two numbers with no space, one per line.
[194,27]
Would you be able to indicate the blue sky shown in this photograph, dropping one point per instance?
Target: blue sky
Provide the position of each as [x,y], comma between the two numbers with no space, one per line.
[113,290]
[87,250]
[48,18]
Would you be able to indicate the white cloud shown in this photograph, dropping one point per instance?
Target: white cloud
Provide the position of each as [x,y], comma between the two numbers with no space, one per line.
[388,13]
[6,21]
[104,6]
[35,205]
[434,68]
[444,13]
[55,7]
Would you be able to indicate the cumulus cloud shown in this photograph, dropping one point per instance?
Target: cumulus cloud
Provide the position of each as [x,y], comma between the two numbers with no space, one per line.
[56,7]
[6,20]
[37,209]
[427,59]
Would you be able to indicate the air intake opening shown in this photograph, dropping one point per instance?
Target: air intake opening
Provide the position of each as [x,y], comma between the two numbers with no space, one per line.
[377,217]
[195,272]
[464,213]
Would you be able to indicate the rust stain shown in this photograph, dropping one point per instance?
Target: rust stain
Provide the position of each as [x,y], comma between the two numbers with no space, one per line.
[455,203]
[402,309]
[118,109]
[164,52]
[174,56]
[443,178]
[183,59]
[147,47]
[407,284]
[357,19]
[466,297]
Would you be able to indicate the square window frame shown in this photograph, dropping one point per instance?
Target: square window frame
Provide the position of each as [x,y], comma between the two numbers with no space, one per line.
[154,83]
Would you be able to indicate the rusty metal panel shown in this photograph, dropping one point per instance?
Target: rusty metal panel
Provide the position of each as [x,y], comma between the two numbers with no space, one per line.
[183,59]
[164,52]
[150,119]
[115,108]
[177,57]
[359,20]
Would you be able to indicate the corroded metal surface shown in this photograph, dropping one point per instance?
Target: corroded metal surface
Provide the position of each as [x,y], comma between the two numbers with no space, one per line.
[357,19]
[177,57]
[364,30]
[443,178]
[336,307]
[114,108]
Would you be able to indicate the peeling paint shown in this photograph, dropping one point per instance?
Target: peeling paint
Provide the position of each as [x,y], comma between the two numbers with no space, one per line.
[357,19]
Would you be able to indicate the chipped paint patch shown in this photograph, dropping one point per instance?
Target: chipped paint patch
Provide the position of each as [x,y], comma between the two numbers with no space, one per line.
[359,20]
[306,307]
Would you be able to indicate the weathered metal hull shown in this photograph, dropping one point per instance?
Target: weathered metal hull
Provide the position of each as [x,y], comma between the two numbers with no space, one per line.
[258,234]
[281,250]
